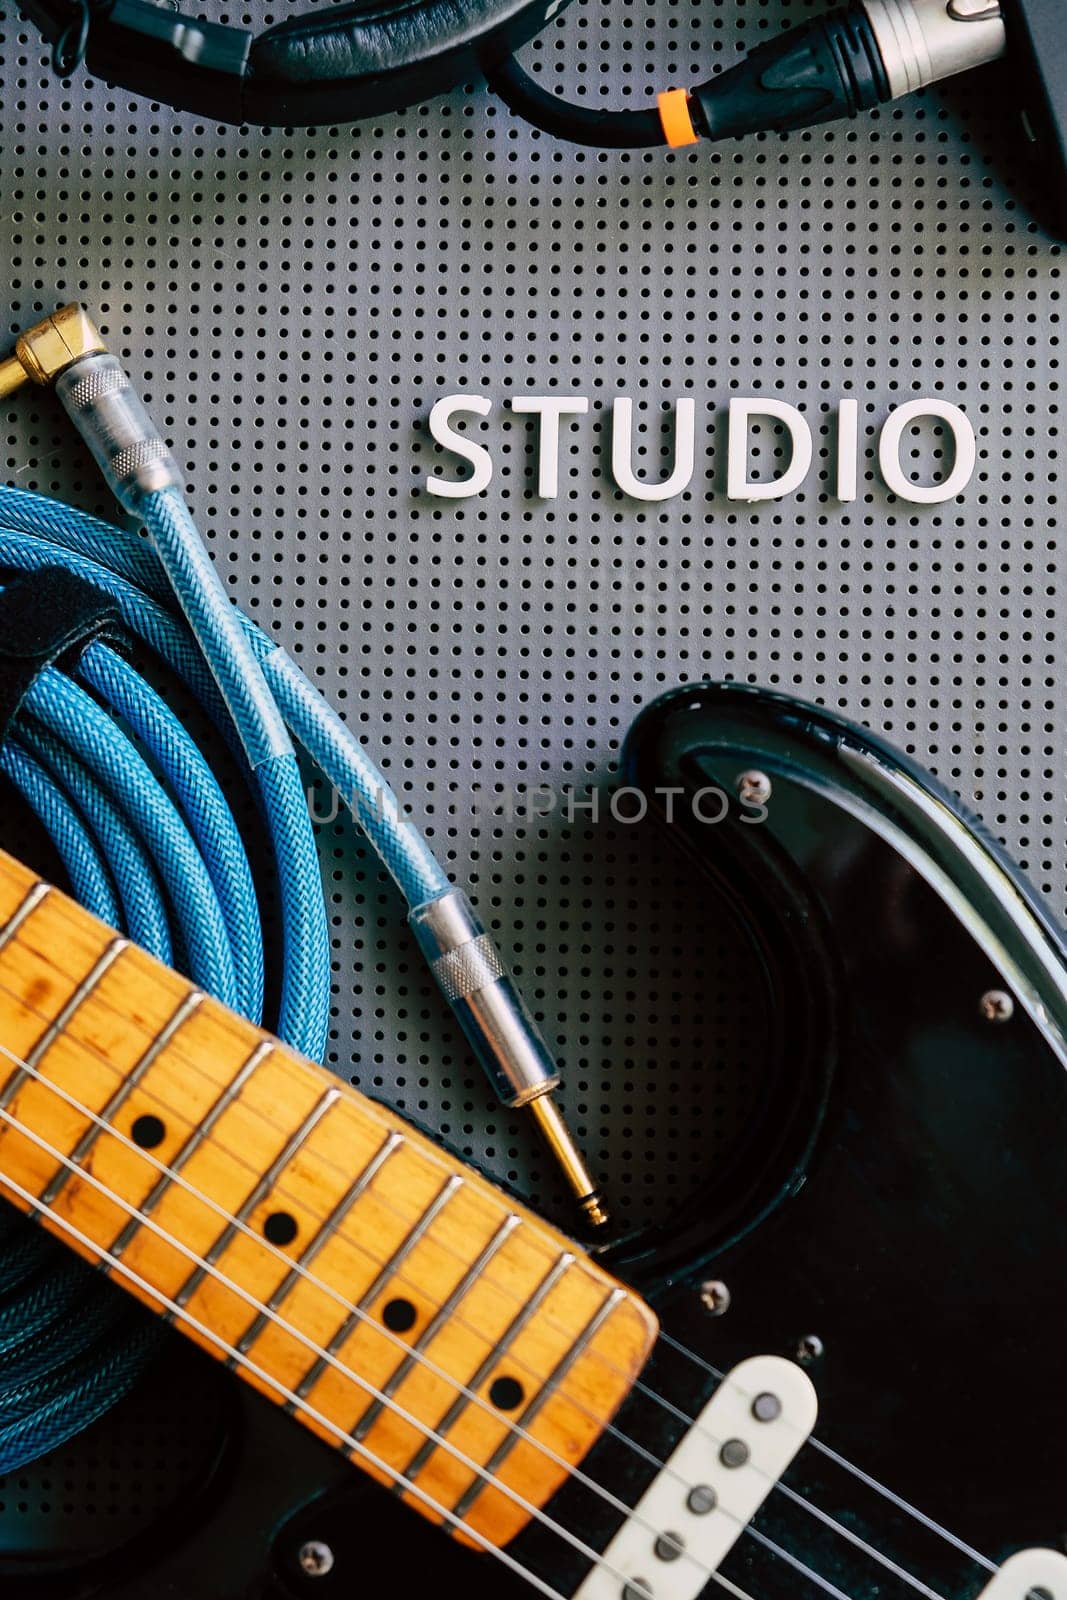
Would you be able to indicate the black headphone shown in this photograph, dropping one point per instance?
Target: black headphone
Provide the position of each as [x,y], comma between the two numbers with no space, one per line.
[336,65]
[372,56]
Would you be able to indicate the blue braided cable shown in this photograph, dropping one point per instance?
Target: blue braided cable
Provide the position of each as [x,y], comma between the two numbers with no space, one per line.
[68,713]
[81,1391]
[20,1251]
[119,551]
[144,914]
[311,719]
[202,803]
[216,625]
[77,850]
[130,801]
[42,1301]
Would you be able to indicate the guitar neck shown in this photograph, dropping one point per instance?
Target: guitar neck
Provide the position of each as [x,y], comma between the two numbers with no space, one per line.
[462,1351]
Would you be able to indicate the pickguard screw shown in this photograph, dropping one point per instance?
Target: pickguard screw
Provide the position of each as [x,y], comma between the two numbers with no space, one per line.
[809,1349]
[315,1558]
[715,1297]
[997,1005]
[754,788]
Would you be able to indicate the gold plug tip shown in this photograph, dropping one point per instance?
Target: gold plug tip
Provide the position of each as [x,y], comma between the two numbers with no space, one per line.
[49,347]
[560,1141]
[593,1206]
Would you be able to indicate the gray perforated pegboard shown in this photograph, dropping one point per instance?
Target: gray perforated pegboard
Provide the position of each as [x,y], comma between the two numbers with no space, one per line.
[292,303]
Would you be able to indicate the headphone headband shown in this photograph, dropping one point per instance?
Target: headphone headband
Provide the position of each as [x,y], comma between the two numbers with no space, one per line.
[336,65]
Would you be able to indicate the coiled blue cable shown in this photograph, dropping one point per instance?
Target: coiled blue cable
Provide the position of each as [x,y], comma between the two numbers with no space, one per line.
[149,844]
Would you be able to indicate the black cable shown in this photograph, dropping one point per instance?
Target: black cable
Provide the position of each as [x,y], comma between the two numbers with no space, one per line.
[609,130]
[68,51]
[825,68]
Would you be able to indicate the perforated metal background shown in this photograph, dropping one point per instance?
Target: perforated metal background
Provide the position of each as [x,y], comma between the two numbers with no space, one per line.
[293,303]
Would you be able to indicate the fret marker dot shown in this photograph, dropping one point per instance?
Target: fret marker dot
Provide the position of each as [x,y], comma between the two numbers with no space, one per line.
[280,1228]
[399,1316]
[147,1132]
[506,1393]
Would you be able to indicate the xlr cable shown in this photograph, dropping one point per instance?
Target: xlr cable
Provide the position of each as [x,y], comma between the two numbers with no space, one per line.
[850,60]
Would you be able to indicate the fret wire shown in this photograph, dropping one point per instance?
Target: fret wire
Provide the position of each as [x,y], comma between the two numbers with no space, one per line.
[351,1444]
[347,1445]
[315,1371]
[426,1152]
[261,1188]
[171,1174]
[130,1229]
[555,1378]
[465,1390]
[511,1333]
[30,901]
[291,1058]
[367,1109]
[185,1010]
[191,1145]
[443,1314]
[62,1019]
[324,1234]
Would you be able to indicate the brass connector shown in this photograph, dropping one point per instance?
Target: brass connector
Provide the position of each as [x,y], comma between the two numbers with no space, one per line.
[558,1138]
[46,350]
[65,352]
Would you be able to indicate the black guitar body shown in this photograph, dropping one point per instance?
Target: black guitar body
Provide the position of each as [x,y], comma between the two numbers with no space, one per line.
[913,1224]
[894,1217]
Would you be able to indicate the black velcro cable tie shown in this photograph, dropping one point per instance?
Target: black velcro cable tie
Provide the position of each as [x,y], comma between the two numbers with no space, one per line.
[47,619]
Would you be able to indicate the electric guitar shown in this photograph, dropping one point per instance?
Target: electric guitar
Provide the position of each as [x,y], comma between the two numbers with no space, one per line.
[852,1381]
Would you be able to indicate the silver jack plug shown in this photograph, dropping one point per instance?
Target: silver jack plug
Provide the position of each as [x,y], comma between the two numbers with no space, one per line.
[475,981]
[67,353]
[921,41]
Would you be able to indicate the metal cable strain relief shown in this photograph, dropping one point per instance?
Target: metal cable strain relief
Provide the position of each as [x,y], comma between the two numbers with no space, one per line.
[475,981]
[110,416]
[469,969]
[89,386]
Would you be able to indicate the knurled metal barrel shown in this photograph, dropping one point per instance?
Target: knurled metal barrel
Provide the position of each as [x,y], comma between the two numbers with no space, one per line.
[475,981]
[111,417]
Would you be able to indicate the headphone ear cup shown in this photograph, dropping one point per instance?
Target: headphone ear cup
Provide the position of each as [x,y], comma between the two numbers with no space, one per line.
[373,56]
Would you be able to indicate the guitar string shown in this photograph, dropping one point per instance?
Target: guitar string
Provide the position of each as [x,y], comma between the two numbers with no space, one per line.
[345,1440]
[847,1466]
[468,1393]
[823,1583]
[487,1477]
[872,1483]
[350,1442]
[471,1395]
[863,1477]
[805,1505]
[776,1484]
[434,1157]
[691,1422]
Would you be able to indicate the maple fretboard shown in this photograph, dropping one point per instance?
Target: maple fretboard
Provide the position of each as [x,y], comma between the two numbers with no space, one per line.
[397,1303]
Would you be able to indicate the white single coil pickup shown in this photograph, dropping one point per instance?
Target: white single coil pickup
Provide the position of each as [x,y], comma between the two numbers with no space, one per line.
[707,1492]
[1043,1571]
